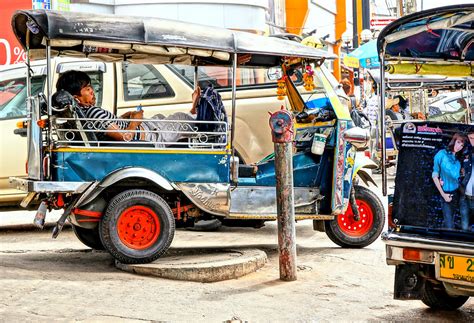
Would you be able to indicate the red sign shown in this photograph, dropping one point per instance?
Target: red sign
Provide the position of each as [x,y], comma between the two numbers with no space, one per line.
[10,50]
[381,22]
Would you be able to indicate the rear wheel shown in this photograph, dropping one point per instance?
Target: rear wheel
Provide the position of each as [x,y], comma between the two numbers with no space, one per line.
[435,296]
[89,237]
[346,232]
[138,227]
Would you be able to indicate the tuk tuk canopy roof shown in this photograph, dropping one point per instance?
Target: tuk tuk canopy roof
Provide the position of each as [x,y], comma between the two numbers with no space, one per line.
[151,40]
[444,34]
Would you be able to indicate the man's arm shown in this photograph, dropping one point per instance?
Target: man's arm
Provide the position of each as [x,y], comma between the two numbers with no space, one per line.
[125,135]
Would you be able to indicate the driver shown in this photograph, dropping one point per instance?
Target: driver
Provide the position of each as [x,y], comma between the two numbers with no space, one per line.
[78,84]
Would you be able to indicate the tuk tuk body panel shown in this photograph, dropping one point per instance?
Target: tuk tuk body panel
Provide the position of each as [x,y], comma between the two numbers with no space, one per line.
[173,166]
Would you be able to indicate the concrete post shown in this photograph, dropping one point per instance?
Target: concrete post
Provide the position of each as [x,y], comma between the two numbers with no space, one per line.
[282,134]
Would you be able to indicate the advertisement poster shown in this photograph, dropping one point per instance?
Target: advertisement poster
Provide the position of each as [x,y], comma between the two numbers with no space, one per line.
[10,50]
[435,177]
[41,4]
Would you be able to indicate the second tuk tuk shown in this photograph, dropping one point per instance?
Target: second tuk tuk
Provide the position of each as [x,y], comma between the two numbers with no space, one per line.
[128,196]
[430,239]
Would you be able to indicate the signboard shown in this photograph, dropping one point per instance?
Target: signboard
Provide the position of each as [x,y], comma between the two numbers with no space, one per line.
[380,22]
[432,155]
[41,4]
[351,61]
[10,50]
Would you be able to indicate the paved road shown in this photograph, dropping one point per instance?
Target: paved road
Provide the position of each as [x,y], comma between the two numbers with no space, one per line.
[43,280]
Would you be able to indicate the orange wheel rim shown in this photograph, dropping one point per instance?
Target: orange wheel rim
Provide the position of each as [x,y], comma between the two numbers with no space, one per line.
[138,227]
[354,228]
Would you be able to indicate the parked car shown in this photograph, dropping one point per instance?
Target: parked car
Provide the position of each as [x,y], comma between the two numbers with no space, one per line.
[447,102]
[157,88]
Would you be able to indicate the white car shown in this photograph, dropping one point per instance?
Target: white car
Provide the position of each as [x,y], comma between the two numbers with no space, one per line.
[447,102]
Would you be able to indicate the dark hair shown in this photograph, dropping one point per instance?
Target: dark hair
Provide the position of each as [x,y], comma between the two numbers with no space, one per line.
[457,136]
[402,102]
[73,82]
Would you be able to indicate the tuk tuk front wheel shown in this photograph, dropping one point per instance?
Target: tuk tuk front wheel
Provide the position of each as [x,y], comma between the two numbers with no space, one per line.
[138,227]
[89,237]
[346,232]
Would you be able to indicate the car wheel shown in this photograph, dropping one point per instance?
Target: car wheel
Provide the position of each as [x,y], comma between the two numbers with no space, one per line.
[435,296]
[138,227]
[89,237]
[346,232]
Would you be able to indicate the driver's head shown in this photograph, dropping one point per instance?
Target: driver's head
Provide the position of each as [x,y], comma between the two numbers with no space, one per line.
[79,85]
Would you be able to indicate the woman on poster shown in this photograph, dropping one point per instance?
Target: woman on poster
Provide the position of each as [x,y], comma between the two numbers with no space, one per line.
[446,173]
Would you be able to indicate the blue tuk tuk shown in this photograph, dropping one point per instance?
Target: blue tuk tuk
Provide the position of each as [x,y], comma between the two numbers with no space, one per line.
[128,197]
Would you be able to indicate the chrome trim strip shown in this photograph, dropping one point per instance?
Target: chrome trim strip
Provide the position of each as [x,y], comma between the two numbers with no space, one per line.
[28,185]
[417,241]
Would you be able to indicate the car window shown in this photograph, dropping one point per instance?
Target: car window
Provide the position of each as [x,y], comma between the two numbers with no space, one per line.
[221,77]
[13,96]
[454,105]
[142,81]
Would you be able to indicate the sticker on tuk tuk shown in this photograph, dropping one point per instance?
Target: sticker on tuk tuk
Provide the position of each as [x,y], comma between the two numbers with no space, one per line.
[435,182]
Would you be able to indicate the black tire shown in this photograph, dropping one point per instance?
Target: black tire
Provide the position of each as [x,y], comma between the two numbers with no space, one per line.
[346,232]
[138,227]
[89,237]
[435,296]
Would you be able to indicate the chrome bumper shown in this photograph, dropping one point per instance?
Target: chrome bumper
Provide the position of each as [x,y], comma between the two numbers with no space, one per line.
[28,185]
[393,239]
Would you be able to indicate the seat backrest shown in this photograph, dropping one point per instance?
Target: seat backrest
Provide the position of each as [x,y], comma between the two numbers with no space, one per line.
[64,106]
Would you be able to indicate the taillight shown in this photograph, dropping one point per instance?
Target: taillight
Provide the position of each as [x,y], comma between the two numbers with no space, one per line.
[46,166]
[411,254]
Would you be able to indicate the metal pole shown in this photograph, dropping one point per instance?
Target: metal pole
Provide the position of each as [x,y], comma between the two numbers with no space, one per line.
[382,123]
[281,125]
[232,129]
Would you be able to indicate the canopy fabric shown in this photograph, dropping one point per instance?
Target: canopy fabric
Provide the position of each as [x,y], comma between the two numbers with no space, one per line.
[367,55]
[112,37]
[444,33]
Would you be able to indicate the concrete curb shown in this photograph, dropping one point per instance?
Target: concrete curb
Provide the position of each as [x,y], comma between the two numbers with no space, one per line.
[203,265]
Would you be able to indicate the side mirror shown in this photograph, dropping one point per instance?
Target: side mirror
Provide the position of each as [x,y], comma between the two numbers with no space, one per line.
[358,137]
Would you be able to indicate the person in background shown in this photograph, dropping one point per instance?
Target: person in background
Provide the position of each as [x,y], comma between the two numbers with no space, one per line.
[372,106]
[446,174]
[392,109]
[466,201]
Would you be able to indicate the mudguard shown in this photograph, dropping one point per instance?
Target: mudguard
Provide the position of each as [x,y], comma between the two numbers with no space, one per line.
[362,164]
[94,190]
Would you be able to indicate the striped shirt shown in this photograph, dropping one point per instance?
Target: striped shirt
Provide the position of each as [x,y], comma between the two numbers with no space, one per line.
[105,120]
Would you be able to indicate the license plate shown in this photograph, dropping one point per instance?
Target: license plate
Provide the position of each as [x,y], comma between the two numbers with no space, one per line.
[455,267]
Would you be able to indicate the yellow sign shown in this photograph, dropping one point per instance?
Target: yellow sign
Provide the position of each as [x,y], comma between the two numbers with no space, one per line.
[351,61]
[456,268]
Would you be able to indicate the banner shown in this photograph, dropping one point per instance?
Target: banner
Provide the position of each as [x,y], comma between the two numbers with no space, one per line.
[435,181]
[10,50]
[41,4]
[62,5]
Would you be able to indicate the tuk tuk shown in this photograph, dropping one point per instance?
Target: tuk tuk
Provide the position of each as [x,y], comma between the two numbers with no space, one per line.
[430,237]
[129,196]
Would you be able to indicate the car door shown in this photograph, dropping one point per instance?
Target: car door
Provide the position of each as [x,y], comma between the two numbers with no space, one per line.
[12,110]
